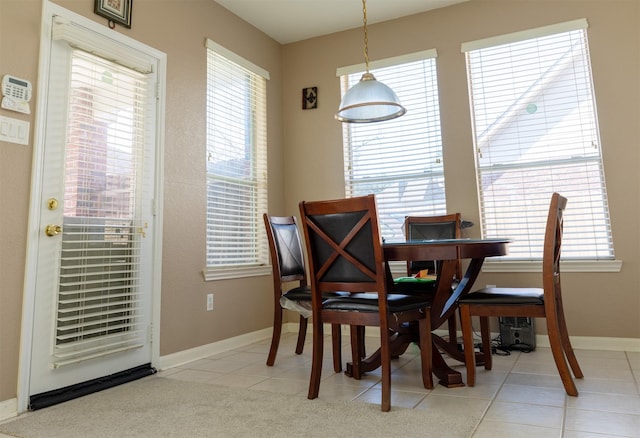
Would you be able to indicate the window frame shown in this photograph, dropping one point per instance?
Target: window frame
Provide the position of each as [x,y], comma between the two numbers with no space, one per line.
[259,266]
[532,262]
[412,180]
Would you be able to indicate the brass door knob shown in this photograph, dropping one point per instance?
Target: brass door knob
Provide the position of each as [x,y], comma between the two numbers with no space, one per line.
[53,230]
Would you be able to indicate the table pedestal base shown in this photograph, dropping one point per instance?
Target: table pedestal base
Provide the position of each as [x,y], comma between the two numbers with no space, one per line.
[447,376]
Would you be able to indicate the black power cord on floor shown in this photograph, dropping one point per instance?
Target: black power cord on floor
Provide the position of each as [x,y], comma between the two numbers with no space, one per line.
[501,350]
[522,347]
[496,347]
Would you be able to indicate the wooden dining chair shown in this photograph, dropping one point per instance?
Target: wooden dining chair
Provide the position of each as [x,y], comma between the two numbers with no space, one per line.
[447,226]
[527,302]
[288,266]
[345,254]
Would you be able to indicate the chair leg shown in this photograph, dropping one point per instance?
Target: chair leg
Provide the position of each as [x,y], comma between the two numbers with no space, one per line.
[555,341]
[363,348]
[356,353]
[485,334]
[566,343]
[426,350]
[302,334]
[385,361]
[336,342]
[275,336]
[316,359]
[467,342]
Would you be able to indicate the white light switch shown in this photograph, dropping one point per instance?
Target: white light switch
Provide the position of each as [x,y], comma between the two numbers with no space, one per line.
[14,130]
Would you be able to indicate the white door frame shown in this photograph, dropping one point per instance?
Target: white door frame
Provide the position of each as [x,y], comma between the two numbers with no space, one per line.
[28,306]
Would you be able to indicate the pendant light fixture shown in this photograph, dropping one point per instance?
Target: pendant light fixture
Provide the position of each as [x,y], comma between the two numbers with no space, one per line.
[369,100]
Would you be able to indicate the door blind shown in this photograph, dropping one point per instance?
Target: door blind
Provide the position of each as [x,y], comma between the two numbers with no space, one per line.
[99,283]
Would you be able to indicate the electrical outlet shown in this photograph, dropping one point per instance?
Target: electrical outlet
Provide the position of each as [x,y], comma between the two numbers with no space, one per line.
[209,302]
[490,286]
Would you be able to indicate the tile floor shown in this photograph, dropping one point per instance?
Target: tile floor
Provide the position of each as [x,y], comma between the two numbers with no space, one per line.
[521,397]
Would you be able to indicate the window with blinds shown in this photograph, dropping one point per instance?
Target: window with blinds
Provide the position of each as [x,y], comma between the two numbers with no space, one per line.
[236,162]
[400,160]
[536,132]
[99,296]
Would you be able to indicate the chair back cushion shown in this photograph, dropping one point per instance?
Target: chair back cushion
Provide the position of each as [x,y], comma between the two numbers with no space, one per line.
[344,245]
[431,228]
[289,249]
[432,231]
[285,246]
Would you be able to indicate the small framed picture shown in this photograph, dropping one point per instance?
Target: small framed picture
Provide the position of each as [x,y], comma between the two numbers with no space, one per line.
[116,11]
[310,98]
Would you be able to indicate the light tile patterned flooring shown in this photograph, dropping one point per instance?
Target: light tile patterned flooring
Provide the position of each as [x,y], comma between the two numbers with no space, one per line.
[521,397]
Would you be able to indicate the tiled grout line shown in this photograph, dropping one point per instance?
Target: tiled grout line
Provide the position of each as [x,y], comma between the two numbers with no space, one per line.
[636,375]
[495,394]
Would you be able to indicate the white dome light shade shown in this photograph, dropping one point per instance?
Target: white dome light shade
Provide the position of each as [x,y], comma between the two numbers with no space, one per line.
[369,101]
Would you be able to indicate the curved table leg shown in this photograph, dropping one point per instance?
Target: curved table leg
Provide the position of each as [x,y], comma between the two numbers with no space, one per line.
[398,345]
[443,309]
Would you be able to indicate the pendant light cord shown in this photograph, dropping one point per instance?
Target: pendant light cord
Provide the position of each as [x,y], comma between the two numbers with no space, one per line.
[366,39]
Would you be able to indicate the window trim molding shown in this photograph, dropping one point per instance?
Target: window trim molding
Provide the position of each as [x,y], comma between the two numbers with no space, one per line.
[231,56]
[387,62]
[514,37]
[236,272]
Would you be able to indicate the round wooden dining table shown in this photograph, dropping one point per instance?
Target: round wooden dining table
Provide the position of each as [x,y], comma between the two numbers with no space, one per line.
[446,296]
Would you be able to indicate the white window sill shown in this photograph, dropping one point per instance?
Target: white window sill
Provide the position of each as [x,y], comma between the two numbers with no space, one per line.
[565,266]
[212,274]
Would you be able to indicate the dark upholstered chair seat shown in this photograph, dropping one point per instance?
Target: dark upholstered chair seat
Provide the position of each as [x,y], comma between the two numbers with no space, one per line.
[505,295]
[303,293]
[368,302]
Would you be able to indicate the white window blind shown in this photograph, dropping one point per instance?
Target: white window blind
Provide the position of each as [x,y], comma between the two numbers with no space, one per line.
[535,133]
[399,160]
[236,161]
[99,298]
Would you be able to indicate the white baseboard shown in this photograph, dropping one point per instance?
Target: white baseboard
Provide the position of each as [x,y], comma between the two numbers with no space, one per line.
[596,343]
[580,342]
[182,357]
[8,409]
[185,356]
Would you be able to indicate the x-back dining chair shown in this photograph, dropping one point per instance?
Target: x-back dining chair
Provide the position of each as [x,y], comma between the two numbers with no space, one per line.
[288,265]
[446,226]
[527,302]
[345,254]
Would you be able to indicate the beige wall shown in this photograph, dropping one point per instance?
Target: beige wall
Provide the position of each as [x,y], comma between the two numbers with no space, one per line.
[305,155]
[177,28]
[597,304]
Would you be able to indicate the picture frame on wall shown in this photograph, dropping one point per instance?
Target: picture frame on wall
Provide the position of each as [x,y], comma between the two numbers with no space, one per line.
[310,98]
[116,11]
